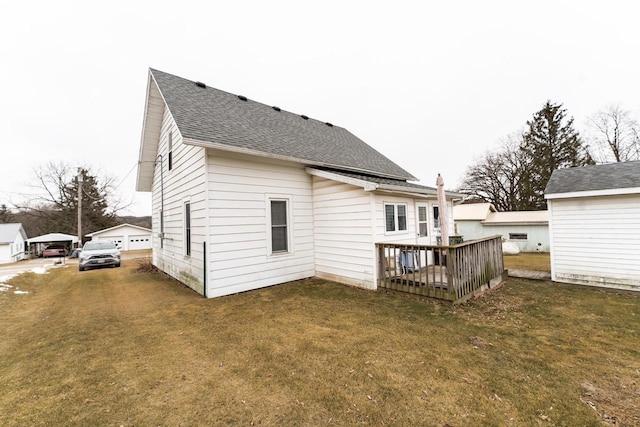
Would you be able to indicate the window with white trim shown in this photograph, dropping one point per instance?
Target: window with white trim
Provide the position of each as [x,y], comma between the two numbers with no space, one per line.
[278,213]
[395,217]
[422,221]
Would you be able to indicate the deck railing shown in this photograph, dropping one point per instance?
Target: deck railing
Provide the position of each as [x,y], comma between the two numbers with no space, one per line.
[453,273]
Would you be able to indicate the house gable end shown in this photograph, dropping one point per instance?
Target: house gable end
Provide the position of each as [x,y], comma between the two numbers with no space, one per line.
[151,127]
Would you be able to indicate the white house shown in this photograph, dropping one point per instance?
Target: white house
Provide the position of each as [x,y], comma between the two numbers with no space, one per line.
[594,225]
[246,195]
[12,242]
[126,237]
[529,230]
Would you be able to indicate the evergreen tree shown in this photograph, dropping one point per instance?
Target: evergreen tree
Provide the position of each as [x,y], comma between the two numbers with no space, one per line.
[6,216]
[57,210]
[551,143]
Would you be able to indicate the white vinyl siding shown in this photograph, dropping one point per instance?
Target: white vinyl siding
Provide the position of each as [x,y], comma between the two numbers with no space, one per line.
[344,249]
[186,181]
[14,251]
[596,240]
[239,248]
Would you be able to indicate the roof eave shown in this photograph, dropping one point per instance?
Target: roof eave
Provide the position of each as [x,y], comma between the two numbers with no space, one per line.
[594,193]
[152,122]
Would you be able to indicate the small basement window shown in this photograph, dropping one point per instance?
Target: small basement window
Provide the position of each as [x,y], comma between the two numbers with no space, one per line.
[518,236]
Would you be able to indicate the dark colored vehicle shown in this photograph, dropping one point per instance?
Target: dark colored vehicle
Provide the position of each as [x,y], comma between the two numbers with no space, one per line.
[54,251]
[98,254]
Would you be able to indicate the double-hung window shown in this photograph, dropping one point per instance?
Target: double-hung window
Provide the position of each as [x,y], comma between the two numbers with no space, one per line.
[279,227]
[395,217]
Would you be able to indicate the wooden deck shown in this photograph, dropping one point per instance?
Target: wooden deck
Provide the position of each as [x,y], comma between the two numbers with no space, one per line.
[452,273]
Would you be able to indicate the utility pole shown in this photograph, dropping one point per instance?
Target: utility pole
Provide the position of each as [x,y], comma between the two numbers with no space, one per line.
[80,179]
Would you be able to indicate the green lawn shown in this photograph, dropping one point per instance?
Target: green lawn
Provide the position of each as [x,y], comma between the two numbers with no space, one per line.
[119,347]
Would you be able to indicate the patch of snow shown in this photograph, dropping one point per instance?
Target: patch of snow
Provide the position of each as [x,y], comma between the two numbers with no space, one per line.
[20,292]
[509,248]
[3,279]
[39,270]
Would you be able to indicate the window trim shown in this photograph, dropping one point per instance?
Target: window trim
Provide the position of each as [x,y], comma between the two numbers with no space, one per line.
[396,217]
[287,198]
[419,222]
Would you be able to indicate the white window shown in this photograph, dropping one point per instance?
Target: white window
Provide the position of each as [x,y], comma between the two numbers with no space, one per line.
[278,220]
[395,217]
[422,221]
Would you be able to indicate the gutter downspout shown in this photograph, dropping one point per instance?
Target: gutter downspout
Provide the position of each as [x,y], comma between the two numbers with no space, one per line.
[161,202]
[204,269]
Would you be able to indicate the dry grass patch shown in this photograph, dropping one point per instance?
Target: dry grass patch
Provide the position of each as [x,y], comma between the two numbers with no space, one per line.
[538,261]
[119,347]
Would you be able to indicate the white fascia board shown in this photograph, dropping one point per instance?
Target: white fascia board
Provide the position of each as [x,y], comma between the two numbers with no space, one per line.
[367,186]
[594,193]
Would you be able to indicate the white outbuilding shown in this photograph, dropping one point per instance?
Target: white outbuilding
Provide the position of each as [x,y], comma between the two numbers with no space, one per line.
[126,237]
[12,242]
[594,225]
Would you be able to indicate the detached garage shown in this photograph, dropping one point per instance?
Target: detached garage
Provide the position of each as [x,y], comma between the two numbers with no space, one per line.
[126,237]
[594,225]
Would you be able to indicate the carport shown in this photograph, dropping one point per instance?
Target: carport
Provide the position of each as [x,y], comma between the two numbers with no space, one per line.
[39,243]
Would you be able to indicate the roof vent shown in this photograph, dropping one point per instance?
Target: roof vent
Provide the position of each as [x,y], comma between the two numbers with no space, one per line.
[202,85]
[276,108]
[242,97]
[329,124]
[304,117]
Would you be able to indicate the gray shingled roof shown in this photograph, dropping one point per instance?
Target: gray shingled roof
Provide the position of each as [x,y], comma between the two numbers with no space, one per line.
[215,116]
[593,178]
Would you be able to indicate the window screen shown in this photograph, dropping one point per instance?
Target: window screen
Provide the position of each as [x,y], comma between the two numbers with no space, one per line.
[279,239]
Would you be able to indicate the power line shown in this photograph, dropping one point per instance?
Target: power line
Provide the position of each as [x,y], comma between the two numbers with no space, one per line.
[127,175]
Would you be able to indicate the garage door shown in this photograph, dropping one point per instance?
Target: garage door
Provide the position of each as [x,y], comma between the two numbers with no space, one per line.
[139,242]
[117,240]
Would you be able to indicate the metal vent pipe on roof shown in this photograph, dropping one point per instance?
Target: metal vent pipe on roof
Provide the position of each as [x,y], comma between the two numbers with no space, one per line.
[202,85]
[242,97]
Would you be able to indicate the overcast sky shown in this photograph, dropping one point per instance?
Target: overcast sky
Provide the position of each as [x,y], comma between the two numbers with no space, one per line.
[432,85]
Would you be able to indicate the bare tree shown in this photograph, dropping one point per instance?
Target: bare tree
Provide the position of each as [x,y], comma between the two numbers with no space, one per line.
[615,135]
[55,206]
[501,177]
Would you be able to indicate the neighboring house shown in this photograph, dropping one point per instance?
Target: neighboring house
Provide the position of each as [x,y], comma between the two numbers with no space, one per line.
[12,242]
[126,237]
[529,230]
[245,195]
[594,224]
